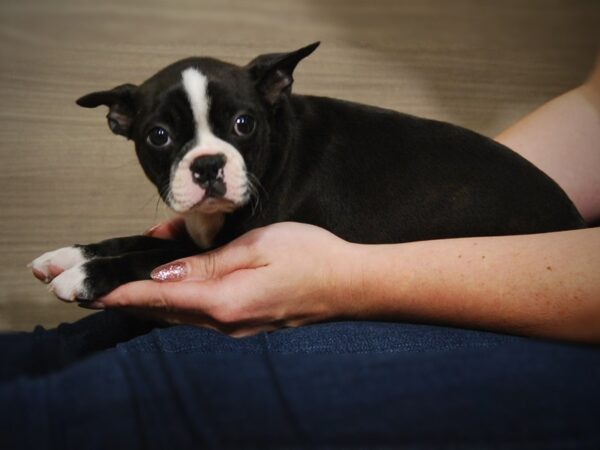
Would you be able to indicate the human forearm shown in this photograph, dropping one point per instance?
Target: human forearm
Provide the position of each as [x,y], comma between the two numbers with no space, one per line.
[290,274]
[562,138]
[543,285]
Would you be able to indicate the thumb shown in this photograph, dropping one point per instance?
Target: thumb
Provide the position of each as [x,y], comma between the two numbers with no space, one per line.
[207,266]
[171,229]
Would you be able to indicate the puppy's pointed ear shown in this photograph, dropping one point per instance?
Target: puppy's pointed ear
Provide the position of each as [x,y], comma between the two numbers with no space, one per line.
[272,73]
[120,102]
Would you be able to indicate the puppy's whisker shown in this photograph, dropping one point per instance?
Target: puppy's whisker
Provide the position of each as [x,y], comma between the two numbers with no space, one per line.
[254,193]
[255,183]
[156,208]
[255,199]
[164,192]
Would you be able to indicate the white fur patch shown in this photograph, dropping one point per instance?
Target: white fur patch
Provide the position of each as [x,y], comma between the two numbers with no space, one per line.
[195,85]
[185,194]
[62,259]
[69,285]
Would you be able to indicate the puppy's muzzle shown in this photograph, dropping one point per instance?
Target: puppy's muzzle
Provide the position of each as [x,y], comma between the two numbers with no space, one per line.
[207,172]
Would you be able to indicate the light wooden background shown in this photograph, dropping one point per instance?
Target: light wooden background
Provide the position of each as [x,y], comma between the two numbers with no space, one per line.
[64,178]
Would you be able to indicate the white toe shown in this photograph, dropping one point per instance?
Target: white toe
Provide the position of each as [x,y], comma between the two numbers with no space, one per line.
[69,285]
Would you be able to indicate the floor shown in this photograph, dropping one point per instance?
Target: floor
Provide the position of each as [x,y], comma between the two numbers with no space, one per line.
[64,178]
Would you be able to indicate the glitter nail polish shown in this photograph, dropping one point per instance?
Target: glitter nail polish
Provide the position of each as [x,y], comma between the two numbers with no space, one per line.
[170,272]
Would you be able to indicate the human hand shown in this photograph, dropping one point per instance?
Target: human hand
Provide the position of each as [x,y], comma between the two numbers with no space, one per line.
[286,274]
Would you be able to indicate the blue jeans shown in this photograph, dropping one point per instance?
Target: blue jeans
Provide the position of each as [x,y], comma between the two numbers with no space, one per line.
[110,381]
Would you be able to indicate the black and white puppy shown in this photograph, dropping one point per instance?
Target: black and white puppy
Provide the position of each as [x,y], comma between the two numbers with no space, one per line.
[231,149]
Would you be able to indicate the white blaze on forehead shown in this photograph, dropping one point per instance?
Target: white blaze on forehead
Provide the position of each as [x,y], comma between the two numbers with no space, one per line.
[185,194]
[195,85]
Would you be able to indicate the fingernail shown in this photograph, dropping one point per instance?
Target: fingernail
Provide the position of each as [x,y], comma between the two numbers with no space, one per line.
[151,230]
[174,271]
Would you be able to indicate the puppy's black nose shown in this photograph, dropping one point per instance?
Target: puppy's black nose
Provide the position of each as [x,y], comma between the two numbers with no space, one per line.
[207,171]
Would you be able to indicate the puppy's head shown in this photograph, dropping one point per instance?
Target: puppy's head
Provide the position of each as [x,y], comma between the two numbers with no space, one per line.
[202,126]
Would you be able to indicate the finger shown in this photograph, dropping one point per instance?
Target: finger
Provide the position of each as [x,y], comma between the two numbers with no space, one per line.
[211,265]
[170,229]
[185,297]
[226,301]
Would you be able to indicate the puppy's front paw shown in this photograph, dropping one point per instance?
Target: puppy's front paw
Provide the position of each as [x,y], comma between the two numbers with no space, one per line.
[50,264]
[91,279]
[72,284]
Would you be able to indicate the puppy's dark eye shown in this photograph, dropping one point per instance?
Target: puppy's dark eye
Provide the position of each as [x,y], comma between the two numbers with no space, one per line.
[159,137]
[244,125]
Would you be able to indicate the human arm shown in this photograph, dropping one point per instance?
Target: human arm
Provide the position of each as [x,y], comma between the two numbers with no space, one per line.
[544,285]
[290,274]
[562,138]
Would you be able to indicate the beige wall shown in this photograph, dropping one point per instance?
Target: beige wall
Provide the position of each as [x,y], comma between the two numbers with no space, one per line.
[64,178]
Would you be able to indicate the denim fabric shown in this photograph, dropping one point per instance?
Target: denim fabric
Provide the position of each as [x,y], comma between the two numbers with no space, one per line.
[110,381]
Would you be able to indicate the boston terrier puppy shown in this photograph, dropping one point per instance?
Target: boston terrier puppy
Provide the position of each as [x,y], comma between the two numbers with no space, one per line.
[230,148]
